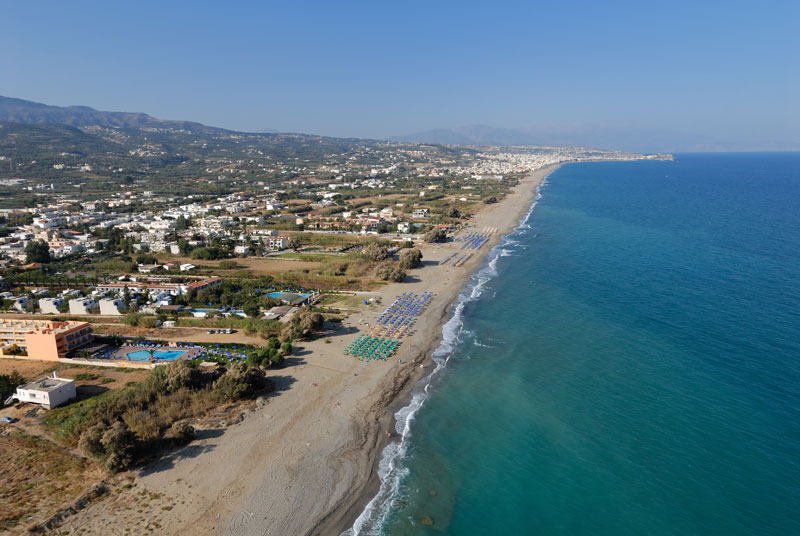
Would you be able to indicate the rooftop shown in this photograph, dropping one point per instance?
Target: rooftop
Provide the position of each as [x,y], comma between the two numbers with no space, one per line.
[46,384]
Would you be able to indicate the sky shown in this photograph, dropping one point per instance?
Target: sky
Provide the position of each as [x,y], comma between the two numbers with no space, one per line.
[720,71]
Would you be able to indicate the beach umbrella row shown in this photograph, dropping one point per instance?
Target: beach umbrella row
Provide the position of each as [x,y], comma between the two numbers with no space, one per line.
[366,347]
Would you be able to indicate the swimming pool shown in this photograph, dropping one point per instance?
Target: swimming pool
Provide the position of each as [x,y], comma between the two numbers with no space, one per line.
[164,355]
[279,294]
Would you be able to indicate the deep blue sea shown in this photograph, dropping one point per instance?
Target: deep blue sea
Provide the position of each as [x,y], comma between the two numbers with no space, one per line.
[626,363]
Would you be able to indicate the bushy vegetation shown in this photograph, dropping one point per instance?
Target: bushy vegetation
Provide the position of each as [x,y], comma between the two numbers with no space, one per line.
[37,251]
[9,384]
[212,253]
[140,320]
[389,271]
[435,235]
[304,323]
[117,427]
[273,354]
[410,258]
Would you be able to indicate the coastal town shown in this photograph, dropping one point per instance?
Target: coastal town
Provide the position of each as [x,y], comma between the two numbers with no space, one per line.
[338,263]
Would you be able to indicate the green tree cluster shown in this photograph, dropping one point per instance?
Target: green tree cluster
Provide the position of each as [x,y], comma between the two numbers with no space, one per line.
[273,354]
[37,251]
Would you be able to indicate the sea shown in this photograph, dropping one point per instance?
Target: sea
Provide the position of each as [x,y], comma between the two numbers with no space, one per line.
[626,362]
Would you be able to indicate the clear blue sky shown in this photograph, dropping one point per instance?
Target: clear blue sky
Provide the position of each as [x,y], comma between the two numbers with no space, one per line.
[728,70]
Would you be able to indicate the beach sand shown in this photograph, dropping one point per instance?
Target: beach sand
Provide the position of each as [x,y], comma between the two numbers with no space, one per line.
[304,459]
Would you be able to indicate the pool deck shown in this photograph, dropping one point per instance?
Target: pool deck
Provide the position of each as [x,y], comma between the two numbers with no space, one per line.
[122,352]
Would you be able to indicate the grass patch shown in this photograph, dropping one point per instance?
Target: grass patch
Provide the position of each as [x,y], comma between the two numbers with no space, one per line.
[87,376]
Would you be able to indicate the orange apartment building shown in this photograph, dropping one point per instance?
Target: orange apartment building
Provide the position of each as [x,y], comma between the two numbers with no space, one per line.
[45,340]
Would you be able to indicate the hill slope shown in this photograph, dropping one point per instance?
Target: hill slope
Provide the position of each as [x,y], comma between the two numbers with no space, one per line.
[33,113]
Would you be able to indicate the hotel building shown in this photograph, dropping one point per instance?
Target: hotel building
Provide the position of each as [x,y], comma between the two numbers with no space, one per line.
[42,339]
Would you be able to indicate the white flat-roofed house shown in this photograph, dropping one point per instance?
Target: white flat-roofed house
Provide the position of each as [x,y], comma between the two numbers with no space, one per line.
[278,242]
[420,213]
[49,392]
[20,303]
[187,267]
[49,306]
[82,306]
[112,306]
[241,250]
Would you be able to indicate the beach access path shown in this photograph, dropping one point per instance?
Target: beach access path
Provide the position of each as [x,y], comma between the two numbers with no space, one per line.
[304,460]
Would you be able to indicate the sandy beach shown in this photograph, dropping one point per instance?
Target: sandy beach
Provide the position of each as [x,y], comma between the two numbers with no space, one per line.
[303,460]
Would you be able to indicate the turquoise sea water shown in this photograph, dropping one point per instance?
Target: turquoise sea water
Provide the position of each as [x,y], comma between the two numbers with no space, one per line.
[627,363]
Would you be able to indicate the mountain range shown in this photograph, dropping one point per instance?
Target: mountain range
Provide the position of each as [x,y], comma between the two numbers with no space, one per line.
[634,139]
[611,138]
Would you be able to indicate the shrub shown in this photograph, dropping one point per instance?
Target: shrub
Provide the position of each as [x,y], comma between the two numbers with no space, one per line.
[143,424]
[375,252]
[179,374]
[388,271]
[90,441]
[309,320]
[410,258]
[117,441]
[240,381]
[182,432]
[86,376]
[435,235]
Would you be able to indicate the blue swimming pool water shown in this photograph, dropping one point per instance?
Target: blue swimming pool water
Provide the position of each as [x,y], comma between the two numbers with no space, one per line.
[279,294]
[164,355]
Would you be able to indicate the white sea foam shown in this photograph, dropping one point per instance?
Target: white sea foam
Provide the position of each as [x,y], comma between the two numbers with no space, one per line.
[390,470]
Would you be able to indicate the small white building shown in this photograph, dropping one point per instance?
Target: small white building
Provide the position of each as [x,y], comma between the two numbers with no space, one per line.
[82,306]
[112,306]
[49,392]
[49,306]
[241,250]
[187,267]
[278,242]
[420,213]
[20,304]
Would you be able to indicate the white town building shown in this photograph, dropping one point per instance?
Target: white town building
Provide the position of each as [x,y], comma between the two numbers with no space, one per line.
[49,392]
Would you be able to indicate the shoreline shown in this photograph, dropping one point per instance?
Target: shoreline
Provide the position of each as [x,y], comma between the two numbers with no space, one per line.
[304,460]
[371,488]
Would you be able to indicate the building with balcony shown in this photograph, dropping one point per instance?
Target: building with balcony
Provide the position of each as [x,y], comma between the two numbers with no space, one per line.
[44,340]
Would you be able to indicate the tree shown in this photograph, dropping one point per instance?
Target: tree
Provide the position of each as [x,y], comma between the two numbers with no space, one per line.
[37,251]
[389,271]
[126,296]
[251,310]
[293,243]
[9,384]
[183,246]
[240,381]
[375,251]
[410,258]
[491,200]
[180,374]
[453,213]
[435,235]
[146,259]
